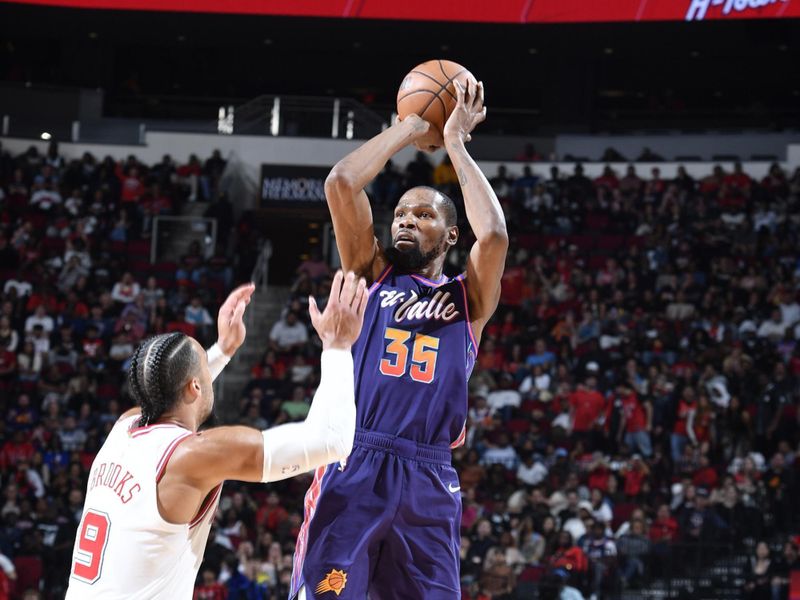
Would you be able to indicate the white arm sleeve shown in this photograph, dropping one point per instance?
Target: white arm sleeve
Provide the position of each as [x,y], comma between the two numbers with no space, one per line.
[326,436]
[216,361]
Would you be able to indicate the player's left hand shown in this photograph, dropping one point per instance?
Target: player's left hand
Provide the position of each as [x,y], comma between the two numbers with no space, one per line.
[469,111]
[230,323]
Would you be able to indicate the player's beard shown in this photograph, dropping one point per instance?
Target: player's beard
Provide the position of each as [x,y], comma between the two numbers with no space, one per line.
[413,260]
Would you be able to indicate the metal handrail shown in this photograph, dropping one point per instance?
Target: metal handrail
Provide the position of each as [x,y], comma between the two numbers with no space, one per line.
[260,274]
[260,277]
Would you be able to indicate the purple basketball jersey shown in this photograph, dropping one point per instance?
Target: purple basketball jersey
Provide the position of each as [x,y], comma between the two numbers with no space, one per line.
[413,359]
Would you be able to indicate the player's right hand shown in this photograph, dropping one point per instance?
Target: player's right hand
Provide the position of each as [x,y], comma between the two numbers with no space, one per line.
[424,137]
[339,325]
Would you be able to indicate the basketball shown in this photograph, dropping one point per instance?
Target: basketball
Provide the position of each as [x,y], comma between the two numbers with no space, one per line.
[429,91]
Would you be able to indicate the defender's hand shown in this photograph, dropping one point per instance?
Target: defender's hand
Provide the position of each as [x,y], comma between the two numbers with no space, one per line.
[340,324]
[469,111]
[230,323]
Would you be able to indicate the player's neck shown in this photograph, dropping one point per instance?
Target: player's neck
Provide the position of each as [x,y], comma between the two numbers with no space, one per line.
[433,270]
[181,418]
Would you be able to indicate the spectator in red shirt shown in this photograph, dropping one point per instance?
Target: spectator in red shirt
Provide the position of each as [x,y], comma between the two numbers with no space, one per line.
[775,181]
[711,184]
[132,186]
[8,368]
[16,450]
[570,557]
[271,514]
[705,476]
[606,183]
[190,176]
[665,528]
[636,422]
[682,432]
[92,344]
[528,154]
[512,291]
[587,409]
[702,420]
[210,588]
[635,474]
[739,182]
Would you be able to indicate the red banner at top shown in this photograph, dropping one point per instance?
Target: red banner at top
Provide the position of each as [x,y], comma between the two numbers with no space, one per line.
[504,11]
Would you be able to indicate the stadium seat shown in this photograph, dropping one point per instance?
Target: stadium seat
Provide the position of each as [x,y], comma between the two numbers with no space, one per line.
[185,328]
[29,572]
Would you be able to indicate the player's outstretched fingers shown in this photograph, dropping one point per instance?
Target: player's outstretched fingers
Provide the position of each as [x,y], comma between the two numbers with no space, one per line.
[469,93]
[360,303]
[336,288]
[350,288]
[459,92]
[243,292]
[313,311]
[238,312]
[479,97]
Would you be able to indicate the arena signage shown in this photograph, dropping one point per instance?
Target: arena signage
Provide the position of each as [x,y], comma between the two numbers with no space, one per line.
[508,11]
[292,185]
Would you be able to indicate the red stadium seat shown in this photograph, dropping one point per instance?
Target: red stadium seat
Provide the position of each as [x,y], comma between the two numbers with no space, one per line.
[182,326]
[622,512]
[29,572]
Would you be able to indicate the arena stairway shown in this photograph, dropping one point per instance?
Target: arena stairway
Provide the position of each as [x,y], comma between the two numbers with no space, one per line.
[722,579]
[264,309]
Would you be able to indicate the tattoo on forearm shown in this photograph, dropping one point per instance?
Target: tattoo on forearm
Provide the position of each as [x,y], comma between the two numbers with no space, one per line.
[462,178]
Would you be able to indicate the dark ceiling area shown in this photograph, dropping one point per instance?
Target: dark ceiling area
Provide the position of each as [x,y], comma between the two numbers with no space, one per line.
[741,74]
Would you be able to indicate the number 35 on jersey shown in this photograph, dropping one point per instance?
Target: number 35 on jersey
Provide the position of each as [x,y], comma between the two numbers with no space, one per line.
[415,353]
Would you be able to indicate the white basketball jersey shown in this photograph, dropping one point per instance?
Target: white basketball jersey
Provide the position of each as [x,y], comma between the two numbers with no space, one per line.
[124,549]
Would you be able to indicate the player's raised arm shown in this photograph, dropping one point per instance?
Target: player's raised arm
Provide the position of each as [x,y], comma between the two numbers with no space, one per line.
[484,213]
[350,209]
[326,436]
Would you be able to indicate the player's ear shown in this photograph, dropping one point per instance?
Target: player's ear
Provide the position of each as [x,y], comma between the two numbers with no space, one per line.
[452,235]
[194,389]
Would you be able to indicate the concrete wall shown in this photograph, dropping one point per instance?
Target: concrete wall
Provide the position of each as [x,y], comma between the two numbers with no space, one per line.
[254,151]
[705,146]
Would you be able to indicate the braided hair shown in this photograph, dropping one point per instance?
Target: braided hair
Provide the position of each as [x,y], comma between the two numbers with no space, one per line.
[159,369]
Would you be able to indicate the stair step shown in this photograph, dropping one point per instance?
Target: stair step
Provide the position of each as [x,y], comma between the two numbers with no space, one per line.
[264,310]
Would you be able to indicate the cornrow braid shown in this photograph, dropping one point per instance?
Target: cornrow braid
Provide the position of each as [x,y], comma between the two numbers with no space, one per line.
[159,369]
[153,370]
[133,375]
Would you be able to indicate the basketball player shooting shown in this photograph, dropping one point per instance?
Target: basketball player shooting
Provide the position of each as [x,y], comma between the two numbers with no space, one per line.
[386,525]
[154,486]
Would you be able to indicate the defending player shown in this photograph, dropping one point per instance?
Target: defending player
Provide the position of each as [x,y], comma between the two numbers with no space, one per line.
[154,486]
[387,524]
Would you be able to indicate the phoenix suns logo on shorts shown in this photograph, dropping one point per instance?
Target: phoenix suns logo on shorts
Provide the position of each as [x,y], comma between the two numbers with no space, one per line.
[333,582]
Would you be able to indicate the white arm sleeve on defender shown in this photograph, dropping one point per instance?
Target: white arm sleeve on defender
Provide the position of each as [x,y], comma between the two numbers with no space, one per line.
[326,436]
[216,361]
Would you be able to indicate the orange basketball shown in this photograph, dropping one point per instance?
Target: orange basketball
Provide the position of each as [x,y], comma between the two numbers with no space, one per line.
[428,90]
